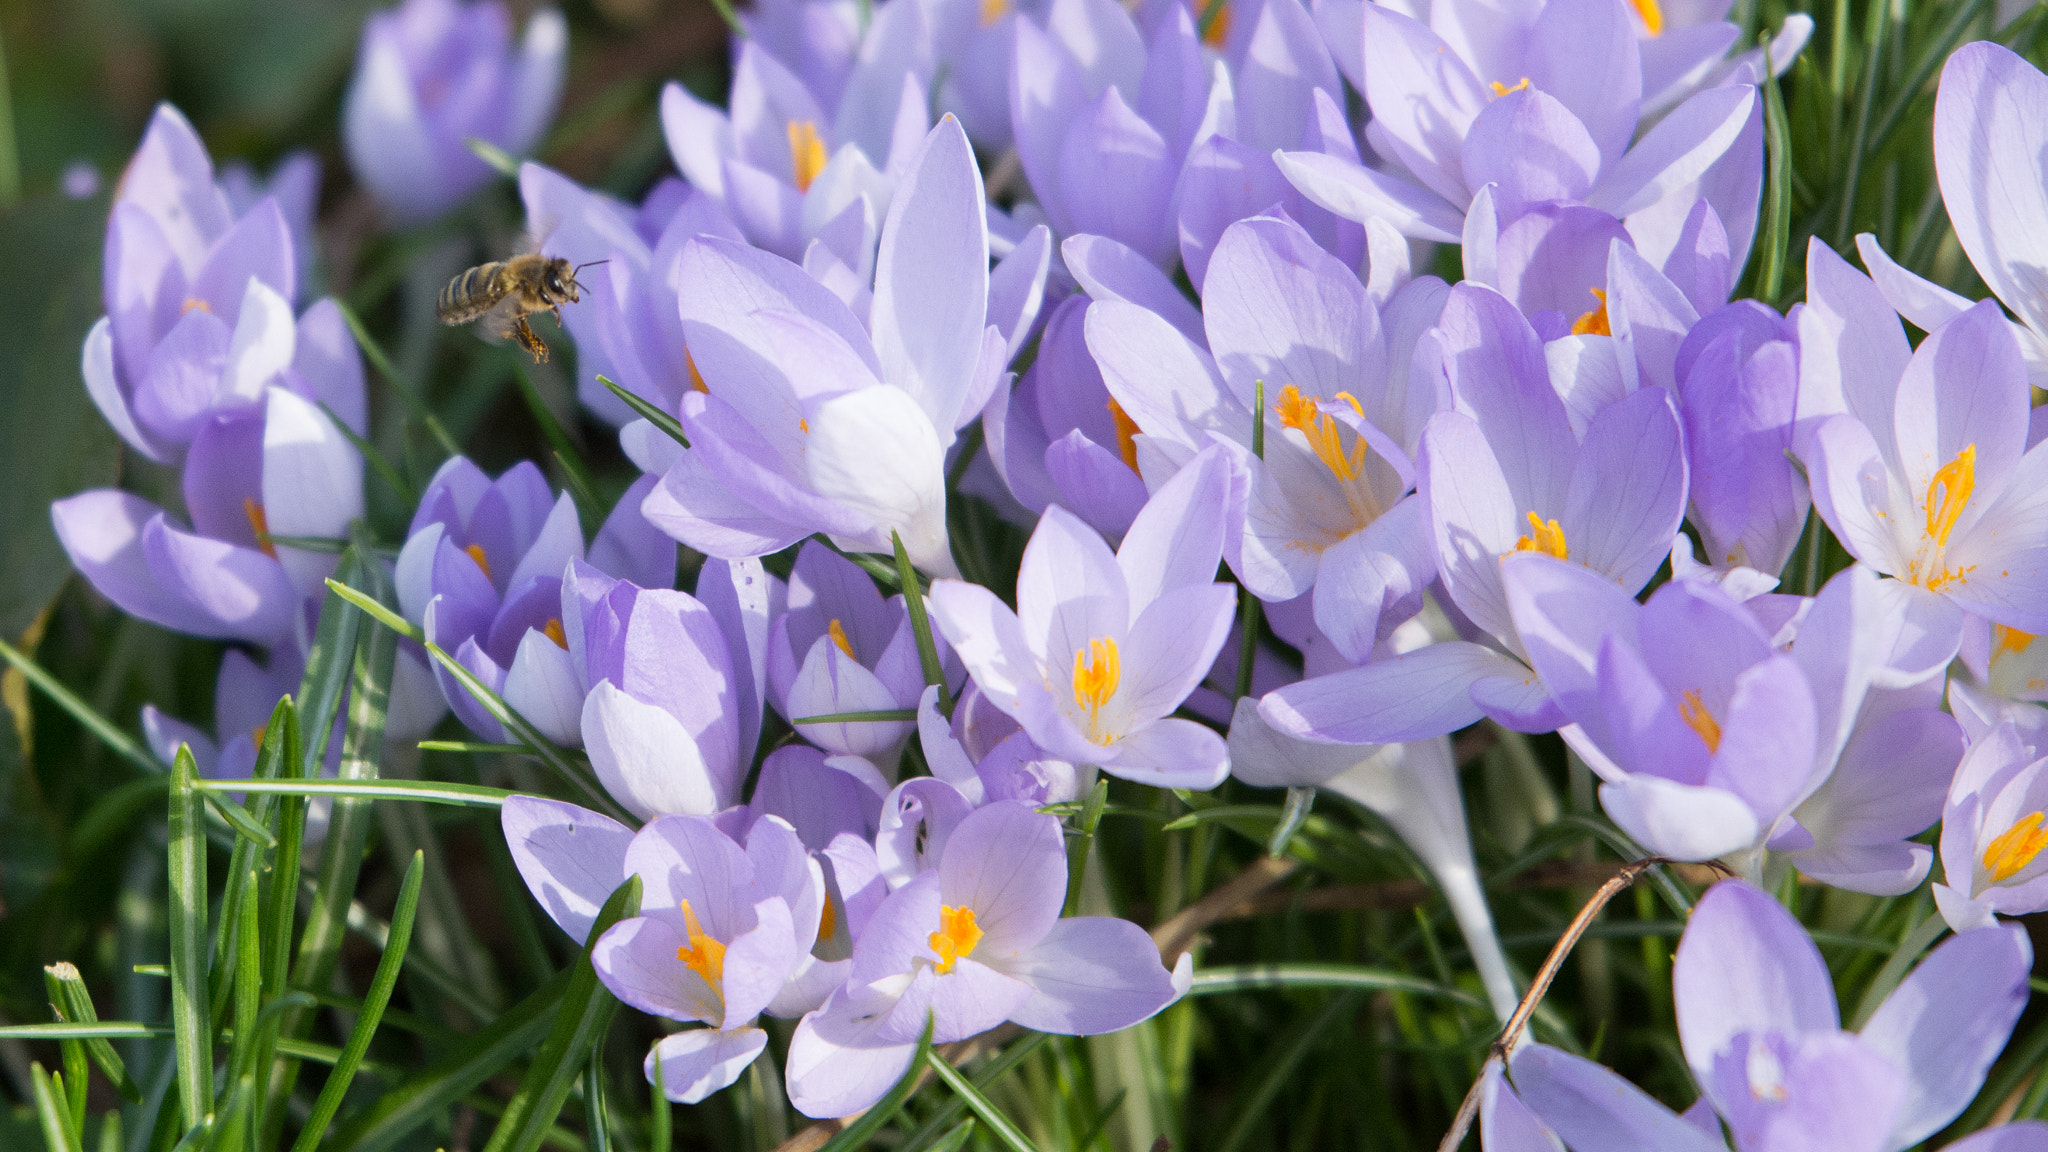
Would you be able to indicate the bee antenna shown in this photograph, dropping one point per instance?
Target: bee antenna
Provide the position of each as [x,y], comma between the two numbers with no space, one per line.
[592,264]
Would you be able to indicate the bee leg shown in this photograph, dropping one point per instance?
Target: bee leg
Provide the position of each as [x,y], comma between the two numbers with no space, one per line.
[558,315]
[523,332]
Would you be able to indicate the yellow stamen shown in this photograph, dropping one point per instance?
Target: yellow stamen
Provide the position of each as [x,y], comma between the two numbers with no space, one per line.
[828,922]
[803,426]
[261,524]
[1126,435]
[192,302]
[696,378]
[1217,33]
[1700,720]
[1948,493]
[1096,671]
[838,634]
[1594,323]
[1300,413]
[1546,536]
[704,955]
[806,153]
[476,553]
[1652,14]
[553,631]
[2004,639]
[993,10]
[956,937]
[1500,89]
[2015,848]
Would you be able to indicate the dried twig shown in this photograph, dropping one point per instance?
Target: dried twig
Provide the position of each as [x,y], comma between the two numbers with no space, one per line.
[1174,936]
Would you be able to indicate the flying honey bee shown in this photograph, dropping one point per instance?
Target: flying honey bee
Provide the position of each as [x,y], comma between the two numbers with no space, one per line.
[504,293]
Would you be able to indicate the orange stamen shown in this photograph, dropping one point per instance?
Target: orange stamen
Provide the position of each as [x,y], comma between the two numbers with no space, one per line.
[553,631]
[1652,14]
[1700,720]
[1500,89]
[1126,435]
[1096,672]
[1546,536]
[2015,848]
[838,634]
[2004,639]
[806,153]
[956,937]
[261,524]
[1301,413]
[1594,323]
[476,553]
[704,955]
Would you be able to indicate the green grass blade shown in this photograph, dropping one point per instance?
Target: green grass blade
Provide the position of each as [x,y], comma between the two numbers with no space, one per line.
[1082,840]
[58,1134]
[880,715]
[660,1130]
[374,353]
[1875,46]
[855,1135]
[430,791]
[669,425]
[1293,814]
[122,744]
[384,469]
[473,748]
[237,816]
[956,1139]
[72,1051]
[71,998]
[379,995]
[596,1121]
[327,667]
[1933,52]
[104,1030]
[1003,1128]
[248,970]
[1283,1068]
[425,1094]
[231,1123]
[950,1111]
[190,1011]
[575,473]
[1267,977]
[586,1011]
[921,626]
[1777,207]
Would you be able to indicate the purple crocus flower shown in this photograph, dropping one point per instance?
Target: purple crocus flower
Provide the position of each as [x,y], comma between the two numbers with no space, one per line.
[839,647]
[1762,1034]
[1919,458]
[1738,379]
[822,797]
[1991,835]
[1104,646]
[225,577]
[985,755]
[2005,661]
[244,695]
[1505,471]
[295,184]
[810,423]
[1327,506]
[430,76]
[482,572]
[971,943]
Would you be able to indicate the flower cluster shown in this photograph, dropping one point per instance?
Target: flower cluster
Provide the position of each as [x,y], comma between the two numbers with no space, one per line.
[1177,333]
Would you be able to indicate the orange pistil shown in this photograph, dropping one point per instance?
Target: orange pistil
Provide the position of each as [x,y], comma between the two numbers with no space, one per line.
[993,10]
[1700,720]
[1545,536]
[1948,493]
[838,633]
[1126,435]
[828,922]
[1301,413]
[2015,848]
[476,552]
[1500,89]
[696,378]
[1097,669]
[704,955]
[261,524]
[553,631]
[806,153]
[1652,14]
[2004,639]
[956,937]
[192,302]
[1594,323]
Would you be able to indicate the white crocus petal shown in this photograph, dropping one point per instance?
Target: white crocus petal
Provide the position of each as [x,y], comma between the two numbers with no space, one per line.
[105,389]
[383,129]
[645,757]
[875,451]
[264,341]
[542,686]
[649,448]
[312,483]
[560,541]
[931,277]
[1682,821]
[414,572]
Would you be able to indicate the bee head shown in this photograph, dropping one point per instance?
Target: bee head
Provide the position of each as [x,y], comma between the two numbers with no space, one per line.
[559,281]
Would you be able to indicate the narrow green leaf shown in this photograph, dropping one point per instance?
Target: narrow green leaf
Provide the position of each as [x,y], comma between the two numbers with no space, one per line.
[1265,977]
[586,1012]
[72,1051]
[1933,52]
[58,1134]
[231,1123]
[731,18]
[281,748]
[432,791]
[425,1094]
[122,744]
[957,1139]
[110,1131]
[1000,1125]
[506,163]
[1292,815]
[374,353]
[921,626]
[236,815]
[878,716]
[190,1011]
[995,1070]
[575,473]
[325,545]
[669,425]
[379,995]
[1875,48]
[1083,837]
[474,748]
[660,1133]
[1249,1110]
[71,998]
[596,1121]
[1224,813]
[111,815]
[1888,978]
[855,1135]
[1777,210]
[384,468]
[248,970]
[104,1030]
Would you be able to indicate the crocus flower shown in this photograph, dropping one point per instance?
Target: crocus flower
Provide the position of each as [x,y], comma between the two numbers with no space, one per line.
[1738,378]
[1918,458]
[226,577]
[482,571]
[430,76]
[2006,661]
[244,695]
[809,423]
[820,796]
[1991,835]
[839,647]
[1762,1034]
[971,943]
[294,182]
[985,755]
[1104,646]
[1505,471]
[1327,505]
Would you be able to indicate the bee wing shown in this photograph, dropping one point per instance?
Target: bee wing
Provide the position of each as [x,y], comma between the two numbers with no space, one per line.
[499,318]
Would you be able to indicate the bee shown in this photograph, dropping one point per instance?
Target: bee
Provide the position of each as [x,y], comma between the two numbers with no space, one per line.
[504,293]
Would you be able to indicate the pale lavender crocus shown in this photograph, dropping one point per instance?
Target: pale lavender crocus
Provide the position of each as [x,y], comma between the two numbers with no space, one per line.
[822,797]
[226,577]
[432,75]
[1103,647]
[969,944]
[244,695]
[1761,1031]
[1506,470]
[813,421]
[1328,505]
[839,647]
[294,182]
[1919,458]
[2005,661]
[1991,834]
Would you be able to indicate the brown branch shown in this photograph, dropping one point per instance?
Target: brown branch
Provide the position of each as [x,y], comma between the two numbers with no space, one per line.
[1174,936]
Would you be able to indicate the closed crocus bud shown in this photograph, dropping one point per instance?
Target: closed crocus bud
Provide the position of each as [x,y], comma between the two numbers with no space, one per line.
[430,76]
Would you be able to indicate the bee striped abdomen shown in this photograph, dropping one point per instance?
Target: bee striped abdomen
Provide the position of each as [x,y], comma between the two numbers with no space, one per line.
[470,295]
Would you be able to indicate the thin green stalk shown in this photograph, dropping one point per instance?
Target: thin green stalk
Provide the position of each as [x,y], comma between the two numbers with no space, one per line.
[248,970]
[575,473]
[379,995]
[1292,816]
[10,150]
[880,715]
[58,1133]
[375,354]
[71,1050]
[1004,1129]
[190,1011]
[921,626]
[1081,840]
[669,425]
[68,994]
[950,1111]
[385,470]
[1266,977]
[1932,54]
[122,744]
[596,1121]
[1859,137]
[660,1131]
[855,1135]
[1777,216]
[1282,1070]
[430,791]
